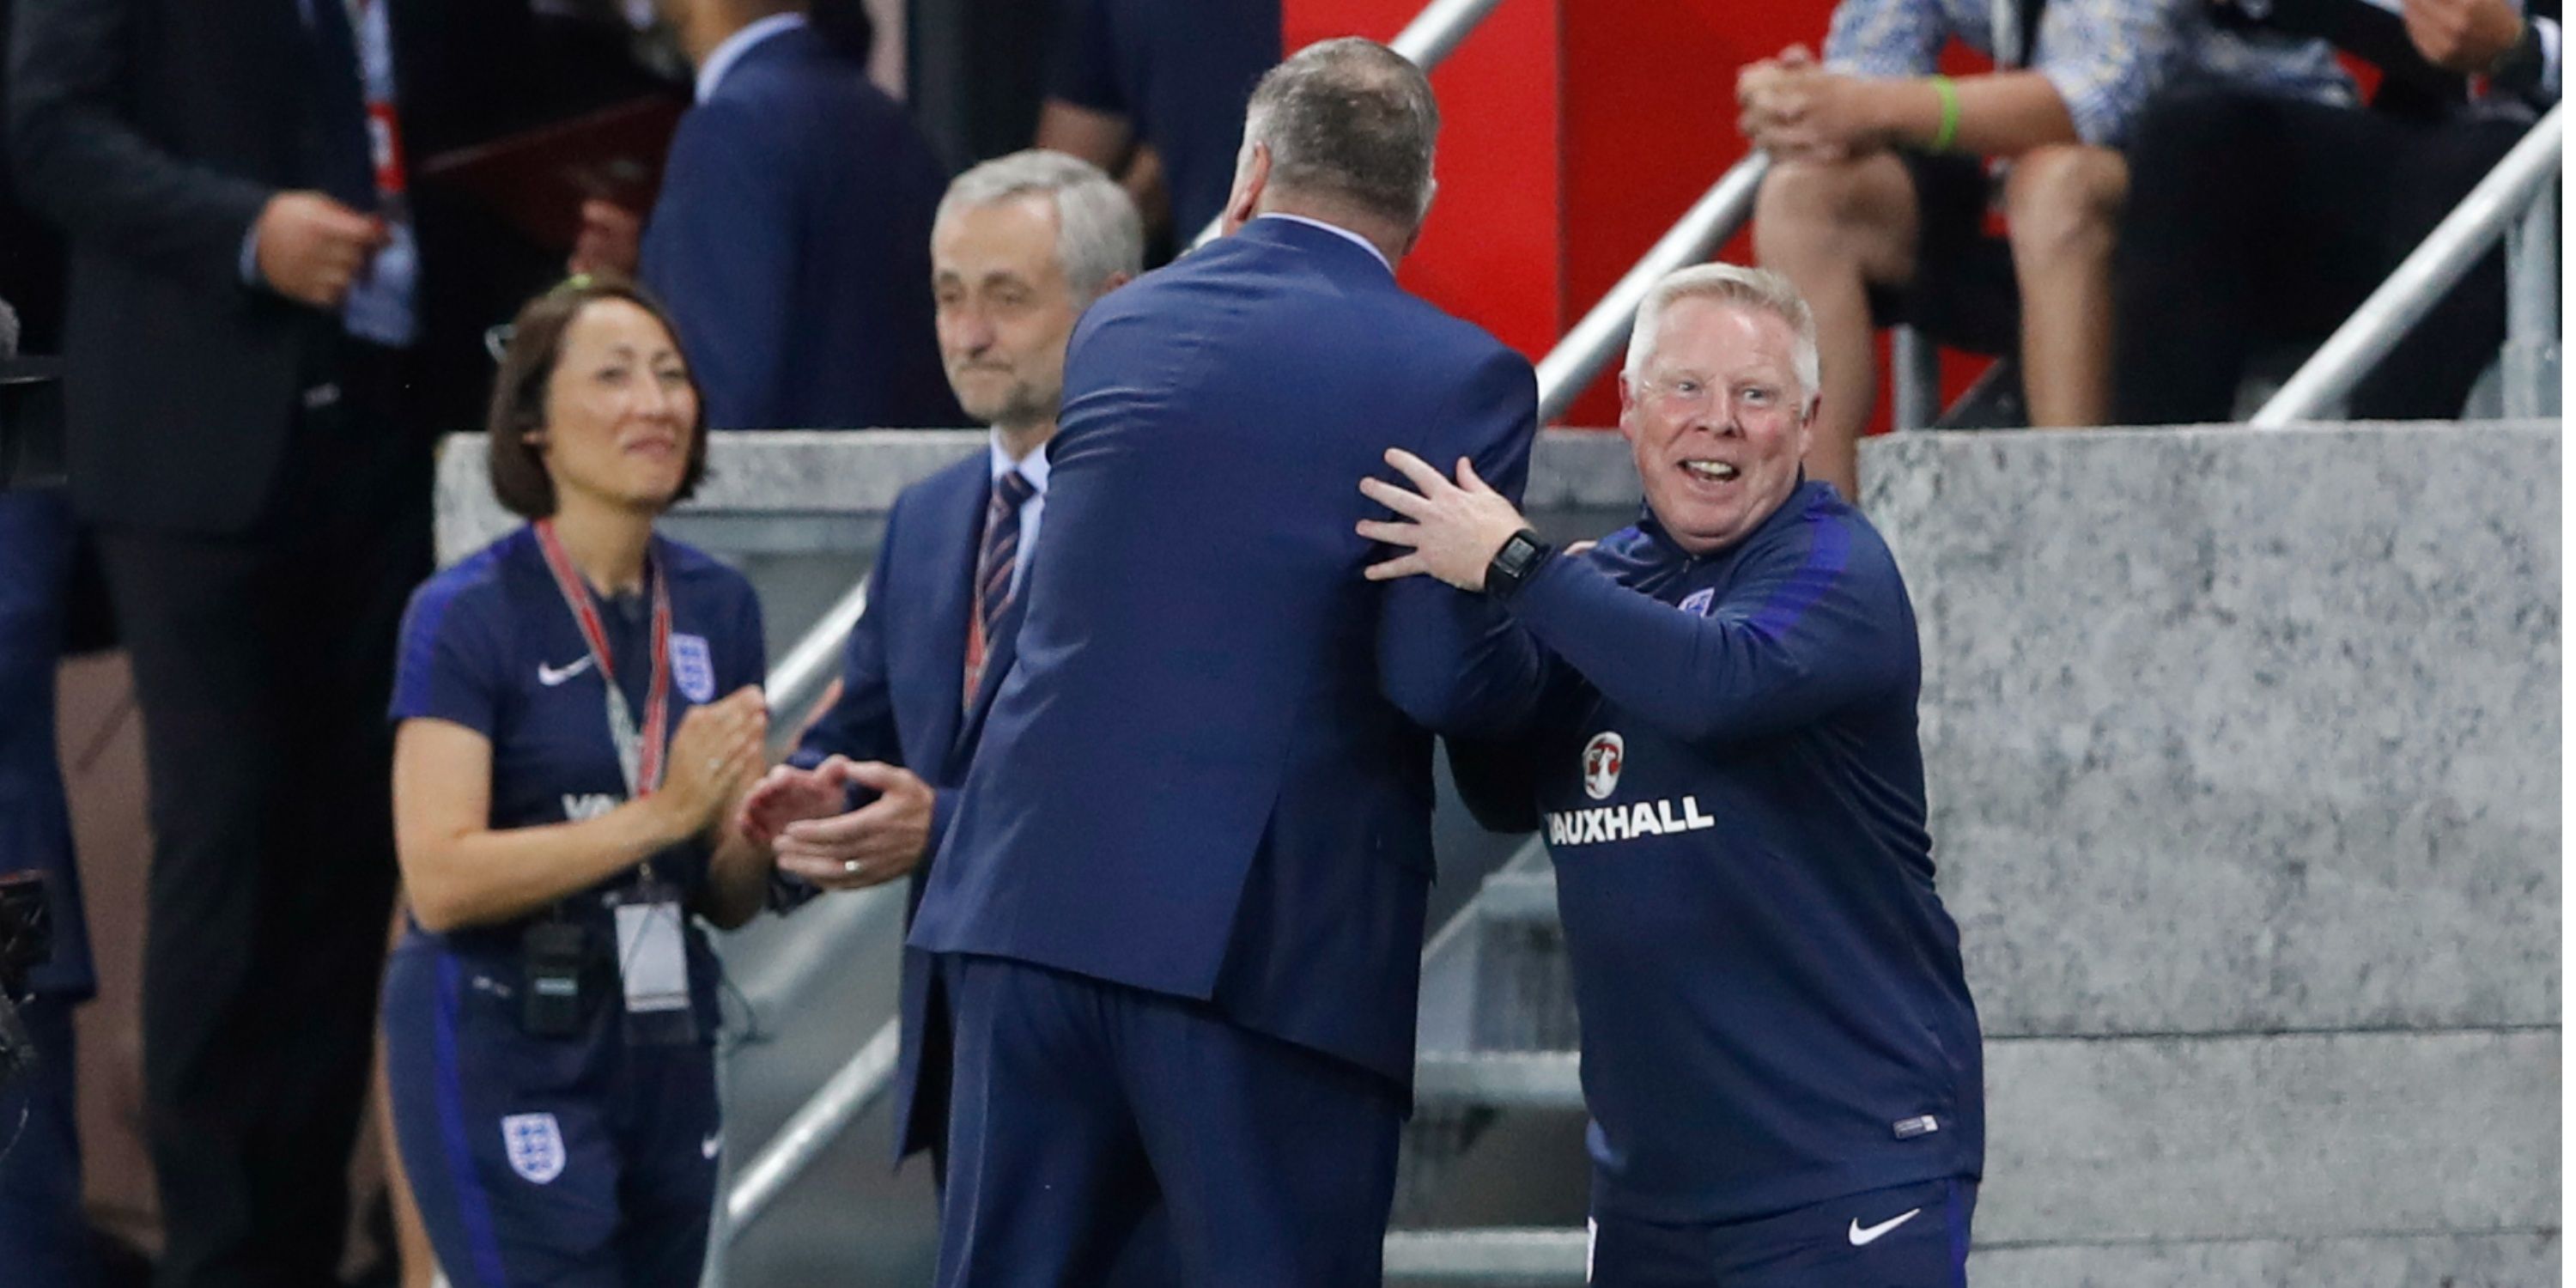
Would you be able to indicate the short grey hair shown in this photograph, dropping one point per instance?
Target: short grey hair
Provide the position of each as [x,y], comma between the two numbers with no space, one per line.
[1752,288]
[1098,234]
[1353,120]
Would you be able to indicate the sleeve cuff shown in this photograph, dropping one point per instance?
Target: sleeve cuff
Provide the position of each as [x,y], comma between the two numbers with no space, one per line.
[250,255]
[2099,119]
[1547,595]
[788,892]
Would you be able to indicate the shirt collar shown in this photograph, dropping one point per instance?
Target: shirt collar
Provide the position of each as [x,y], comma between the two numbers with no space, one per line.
[1033,467]
[1338,231]
[712,73]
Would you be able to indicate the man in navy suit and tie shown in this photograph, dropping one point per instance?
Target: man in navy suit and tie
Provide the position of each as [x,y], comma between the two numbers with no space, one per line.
[788,240]
[1021,247]
[1181,896]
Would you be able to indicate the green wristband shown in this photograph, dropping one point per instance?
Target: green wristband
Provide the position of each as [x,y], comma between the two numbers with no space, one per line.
[1948,92]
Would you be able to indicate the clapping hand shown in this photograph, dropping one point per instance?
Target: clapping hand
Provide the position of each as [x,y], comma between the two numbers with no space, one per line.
[1455,528]
[802,814]
[717,749]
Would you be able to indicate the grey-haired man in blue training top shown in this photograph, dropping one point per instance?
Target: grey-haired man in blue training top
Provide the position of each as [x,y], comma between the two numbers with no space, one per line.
[1780,1056]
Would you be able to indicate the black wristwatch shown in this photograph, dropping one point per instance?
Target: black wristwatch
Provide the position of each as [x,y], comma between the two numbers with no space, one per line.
[1515,564]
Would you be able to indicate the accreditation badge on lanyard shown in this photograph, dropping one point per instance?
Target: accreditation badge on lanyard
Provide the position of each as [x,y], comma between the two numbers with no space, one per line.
[384,309]
[652,957]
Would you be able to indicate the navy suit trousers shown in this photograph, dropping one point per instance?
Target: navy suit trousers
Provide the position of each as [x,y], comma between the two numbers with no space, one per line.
[1088,1116]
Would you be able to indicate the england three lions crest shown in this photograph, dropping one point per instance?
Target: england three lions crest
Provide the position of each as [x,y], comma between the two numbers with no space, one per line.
[1602,759]
[693,667]
[535,1146]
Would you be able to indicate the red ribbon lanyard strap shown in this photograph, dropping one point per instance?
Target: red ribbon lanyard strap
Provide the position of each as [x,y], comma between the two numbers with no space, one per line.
[638,754]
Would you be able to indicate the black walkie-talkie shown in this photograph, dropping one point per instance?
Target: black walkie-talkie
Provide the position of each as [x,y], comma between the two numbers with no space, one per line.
[554,954]
[26,942]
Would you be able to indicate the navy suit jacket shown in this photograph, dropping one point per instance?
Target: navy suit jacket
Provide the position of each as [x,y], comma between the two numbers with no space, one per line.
[902,701]
[791,244]
[1209,772]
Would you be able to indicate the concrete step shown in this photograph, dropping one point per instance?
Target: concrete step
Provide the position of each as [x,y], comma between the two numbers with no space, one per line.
[1499,1079]
[1509,1255]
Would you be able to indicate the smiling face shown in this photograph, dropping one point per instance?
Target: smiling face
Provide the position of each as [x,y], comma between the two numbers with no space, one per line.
[620,409]
[1717,420]
[1005,309]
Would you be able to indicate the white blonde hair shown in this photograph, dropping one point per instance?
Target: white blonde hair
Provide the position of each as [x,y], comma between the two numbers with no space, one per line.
[1752,288]
[1098,236]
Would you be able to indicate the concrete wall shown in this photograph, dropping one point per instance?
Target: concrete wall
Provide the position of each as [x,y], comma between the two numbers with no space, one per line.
[2244,762]
[855,474]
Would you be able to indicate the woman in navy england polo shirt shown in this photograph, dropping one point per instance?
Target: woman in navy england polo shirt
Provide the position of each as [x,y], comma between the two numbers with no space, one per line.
[579,710]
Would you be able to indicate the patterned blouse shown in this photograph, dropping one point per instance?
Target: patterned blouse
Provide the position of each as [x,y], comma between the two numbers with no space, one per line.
[2107,58]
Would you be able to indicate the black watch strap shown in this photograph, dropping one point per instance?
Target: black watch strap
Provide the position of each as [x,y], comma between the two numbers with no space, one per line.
[1515,564]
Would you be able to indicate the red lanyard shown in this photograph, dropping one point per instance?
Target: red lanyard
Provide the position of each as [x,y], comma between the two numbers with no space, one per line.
[372,28]
[638,754]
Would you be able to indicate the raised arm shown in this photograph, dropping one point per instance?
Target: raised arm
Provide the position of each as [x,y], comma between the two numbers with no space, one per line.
[458,870]
[1809,627]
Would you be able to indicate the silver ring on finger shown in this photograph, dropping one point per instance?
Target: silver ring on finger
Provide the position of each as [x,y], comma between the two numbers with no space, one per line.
[852,867]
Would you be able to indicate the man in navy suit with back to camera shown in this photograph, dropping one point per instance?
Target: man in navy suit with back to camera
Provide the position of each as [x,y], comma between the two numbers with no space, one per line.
[1181,897]
[790,238]
[1023,244]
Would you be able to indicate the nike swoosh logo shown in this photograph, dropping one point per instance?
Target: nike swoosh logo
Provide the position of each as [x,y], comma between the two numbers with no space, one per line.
[550,676]
[1861,1238]
[711,1145]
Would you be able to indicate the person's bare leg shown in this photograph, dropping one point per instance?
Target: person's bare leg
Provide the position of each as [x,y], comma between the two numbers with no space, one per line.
[1834,229]
[2064,204]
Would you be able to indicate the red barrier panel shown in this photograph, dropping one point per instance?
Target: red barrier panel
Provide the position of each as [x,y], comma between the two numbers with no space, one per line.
[1574,132]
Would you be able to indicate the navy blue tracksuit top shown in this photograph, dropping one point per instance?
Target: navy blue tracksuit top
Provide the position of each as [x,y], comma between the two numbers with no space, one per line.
[1724,759]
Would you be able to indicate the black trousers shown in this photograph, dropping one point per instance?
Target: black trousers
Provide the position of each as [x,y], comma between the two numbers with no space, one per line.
[263,664]
[2257,222]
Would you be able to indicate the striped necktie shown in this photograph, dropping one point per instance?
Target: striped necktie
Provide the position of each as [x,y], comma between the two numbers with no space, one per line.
[993,568]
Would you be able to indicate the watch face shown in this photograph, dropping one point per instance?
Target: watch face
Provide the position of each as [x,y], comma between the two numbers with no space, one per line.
[1512,562]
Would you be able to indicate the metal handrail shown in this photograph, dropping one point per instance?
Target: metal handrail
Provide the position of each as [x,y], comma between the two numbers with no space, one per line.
[1570,367]
[2446,255]
[801,675]
[2531,321]
[855,1087]
[813,954]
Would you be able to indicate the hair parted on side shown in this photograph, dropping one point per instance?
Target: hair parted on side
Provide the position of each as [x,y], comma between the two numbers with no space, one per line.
[1752,288]
[1098,234]
[519,478]
[1349,119]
